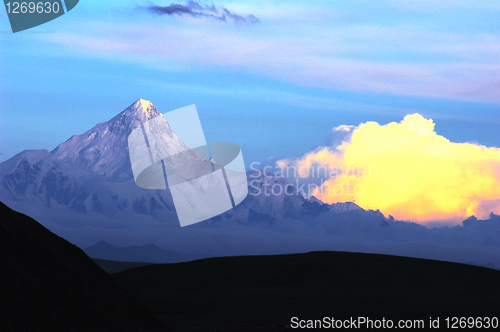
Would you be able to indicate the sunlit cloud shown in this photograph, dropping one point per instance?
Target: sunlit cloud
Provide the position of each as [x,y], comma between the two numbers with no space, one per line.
[408,171]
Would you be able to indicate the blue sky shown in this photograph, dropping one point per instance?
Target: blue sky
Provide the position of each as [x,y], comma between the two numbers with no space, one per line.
[276,87]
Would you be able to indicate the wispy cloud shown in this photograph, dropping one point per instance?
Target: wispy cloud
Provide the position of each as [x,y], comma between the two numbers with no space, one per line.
[299,44]
[196,9]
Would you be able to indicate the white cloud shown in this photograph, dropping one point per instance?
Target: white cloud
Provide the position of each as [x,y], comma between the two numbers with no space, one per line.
[406,170]
[410,60]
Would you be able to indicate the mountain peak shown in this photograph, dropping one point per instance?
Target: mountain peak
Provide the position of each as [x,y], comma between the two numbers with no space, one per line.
[143,104]
[140,111]
[103,149]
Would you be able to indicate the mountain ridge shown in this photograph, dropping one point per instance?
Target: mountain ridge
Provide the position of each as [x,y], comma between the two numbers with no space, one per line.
[85,204]
[103,149]
[91,172]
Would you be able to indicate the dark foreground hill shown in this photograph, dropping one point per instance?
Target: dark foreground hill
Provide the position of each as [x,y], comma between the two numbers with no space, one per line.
[267,291]
[111,266]
[48,284]
[146,253]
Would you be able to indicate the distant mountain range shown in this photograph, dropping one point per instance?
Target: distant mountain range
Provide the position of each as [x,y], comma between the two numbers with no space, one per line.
[84,191]
[92,173]
[47,284]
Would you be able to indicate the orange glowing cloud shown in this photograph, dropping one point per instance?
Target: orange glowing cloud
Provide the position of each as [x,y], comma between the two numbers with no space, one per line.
[408,171]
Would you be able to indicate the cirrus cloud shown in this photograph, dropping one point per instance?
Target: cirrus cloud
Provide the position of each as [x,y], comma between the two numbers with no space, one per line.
[305,45]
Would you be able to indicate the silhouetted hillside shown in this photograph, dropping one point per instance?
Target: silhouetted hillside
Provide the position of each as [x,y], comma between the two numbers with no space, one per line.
[267,291]
[48,284]
[147,253]
[111,266]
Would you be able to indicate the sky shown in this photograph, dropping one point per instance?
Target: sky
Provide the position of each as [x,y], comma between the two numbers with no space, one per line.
[273,77]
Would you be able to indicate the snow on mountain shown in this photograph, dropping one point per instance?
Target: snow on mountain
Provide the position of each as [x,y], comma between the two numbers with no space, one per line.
[92,173]
[271,198]
[84,190]
[103,150]
[343,207]
[89,172]
[35,176]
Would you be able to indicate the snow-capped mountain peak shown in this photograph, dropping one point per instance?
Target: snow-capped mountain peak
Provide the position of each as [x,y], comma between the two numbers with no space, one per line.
[103,150]
[143,104]
[141,110]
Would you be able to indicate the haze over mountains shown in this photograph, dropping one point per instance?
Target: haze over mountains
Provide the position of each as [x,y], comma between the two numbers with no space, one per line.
[84,191]
[148,253]
[47,284]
